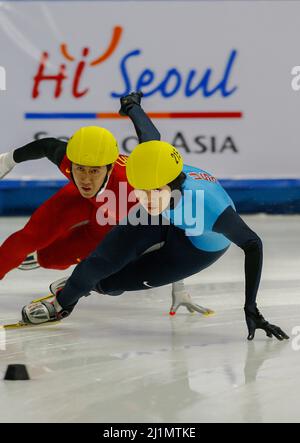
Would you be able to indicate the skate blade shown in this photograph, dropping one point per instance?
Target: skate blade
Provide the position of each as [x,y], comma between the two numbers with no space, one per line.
[21,324]
[209,313]
[37,300]
[28,267]
[205,313]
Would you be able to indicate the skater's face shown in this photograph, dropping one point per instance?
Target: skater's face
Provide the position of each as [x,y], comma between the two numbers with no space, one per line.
[155,201]
[88,179]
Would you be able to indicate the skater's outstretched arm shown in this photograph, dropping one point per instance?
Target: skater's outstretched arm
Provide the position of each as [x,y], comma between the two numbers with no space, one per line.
[51,148]
[144,127]
[235,229]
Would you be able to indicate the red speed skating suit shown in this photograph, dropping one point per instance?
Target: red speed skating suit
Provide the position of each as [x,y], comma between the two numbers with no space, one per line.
[64,229]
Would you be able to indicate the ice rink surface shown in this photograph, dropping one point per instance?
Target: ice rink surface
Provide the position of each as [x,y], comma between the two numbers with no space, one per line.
[123,359]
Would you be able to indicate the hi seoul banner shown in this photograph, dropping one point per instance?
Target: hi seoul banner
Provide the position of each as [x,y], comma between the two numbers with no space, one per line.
[216,78]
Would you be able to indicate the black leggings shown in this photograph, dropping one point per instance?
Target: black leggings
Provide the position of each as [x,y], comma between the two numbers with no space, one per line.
[118,265]
[177,259]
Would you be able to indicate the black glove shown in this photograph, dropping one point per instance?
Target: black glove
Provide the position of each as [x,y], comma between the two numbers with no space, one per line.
[128,101]
[255,320]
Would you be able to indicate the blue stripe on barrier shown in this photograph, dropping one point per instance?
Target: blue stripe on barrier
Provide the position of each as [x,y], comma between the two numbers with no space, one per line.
[22,197]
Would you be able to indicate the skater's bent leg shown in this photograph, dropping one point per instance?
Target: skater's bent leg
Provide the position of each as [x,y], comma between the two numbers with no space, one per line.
[176,260]
[71,248]
[122,245]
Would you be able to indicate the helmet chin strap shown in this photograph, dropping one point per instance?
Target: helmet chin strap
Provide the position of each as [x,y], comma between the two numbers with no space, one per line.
[104,184]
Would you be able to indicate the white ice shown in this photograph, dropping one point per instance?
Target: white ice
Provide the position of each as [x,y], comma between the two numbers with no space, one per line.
[123,359]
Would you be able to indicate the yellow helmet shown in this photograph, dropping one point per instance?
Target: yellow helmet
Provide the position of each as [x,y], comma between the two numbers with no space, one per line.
[153,164]
[92,146]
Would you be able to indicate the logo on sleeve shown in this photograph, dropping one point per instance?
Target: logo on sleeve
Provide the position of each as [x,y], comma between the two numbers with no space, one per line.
[202,176]
[122,160]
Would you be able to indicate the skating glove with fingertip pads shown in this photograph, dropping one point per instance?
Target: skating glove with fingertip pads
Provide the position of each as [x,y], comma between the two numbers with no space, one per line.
[181,297]
[128,101]
[255,320]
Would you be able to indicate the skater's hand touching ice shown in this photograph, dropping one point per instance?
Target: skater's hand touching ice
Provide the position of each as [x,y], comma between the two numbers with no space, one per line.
[128,101]
[181,297]
[7,163]
[255,320]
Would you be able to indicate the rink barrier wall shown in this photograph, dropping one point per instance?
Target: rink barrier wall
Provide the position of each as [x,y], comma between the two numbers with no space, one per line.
[273,196]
